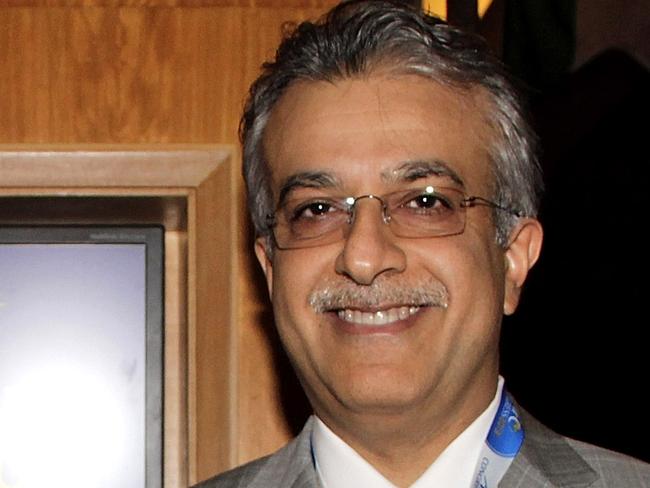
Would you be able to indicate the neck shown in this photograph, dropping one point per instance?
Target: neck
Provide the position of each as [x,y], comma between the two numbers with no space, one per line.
[402,445]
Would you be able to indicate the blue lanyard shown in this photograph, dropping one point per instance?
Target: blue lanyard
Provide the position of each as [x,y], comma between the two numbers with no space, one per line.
[503,442]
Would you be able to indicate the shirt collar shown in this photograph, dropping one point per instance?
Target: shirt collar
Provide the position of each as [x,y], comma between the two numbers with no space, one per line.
[340,466]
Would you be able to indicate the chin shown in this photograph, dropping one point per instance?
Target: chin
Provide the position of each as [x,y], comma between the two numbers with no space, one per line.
[381,393]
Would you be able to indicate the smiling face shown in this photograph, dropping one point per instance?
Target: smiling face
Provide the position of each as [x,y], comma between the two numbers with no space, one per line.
[375,324]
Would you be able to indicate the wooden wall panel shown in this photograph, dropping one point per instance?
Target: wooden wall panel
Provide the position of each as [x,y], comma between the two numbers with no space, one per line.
[157,71]
[317,5]
[119,74]
[125,74]
[175,458]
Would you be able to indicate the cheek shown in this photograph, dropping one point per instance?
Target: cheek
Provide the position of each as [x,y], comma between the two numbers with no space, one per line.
[288,302]
[470,267]
[295,274]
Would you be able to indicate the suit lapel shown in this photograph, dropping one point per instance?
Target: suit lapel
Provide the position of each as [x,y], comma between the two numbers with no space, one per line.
[546,460]
[306,479]
[294,468]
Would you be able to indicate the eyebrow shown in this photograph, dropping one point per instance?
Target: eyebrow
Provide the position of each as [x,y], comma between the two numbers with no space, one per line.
[419,169]
[406,171]
[307,179]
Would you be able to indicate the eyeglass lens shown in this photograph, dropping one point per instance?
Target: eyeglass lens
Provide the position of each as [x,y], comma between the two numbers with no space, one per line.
[429,212]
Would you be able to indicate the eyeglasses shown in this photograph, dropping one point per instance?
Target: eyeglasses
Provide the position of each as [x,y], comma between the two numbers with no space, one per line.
[415,213]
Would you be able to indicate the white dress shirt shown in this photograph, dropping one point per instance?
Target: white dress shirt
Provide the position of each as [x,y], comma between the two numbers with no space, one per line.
[340,466]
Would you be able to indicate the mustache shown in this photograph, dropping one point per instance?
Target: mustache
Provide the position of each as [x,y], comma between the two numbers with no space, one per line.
[342,294]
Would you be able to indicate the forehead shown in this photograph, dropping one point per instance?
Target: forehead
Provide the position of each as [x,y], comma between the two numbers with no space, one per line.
[359,130]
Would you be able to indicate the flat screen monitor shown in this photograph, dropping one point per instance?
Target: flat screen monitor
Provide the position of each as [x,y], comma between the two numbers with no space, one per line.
[81,357]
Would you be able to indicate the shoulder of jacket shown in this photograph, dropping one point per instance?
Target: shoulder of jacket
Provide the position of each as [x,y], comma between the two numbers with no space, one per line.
[614,469]
[240,476]
[282,466]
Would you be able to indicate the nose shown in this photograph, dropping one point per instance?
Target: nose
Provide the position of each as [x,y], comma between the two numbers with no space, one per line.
[370,249]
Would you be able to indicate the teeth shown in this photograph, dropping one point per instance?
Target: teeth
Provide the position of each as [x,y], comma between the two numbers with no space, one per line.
[381,317]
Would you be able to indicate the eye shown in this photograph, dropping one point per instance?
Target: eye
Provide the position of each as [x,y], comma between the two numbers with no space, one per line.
[428,202]
[313,210]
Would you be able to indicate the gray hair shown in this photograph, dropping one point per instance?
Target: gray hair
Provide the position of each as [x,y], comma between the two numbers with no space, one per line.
[361,36]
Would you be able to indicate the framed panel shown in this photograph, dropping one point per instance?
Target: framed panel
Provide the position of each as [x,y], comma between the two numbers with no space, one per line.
[190,191]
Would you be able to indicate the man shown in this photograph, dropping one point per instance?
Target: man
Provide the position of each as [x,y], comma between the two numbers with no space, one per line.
[394,189]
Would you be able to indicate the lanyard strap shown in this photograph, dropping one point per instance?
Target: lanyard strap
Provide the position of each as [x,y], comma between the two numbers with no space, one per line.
[503,442]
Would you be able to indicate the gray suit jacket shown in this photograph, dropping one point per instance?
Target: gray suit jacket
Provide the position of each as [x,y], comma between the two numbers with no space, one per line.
[546,460]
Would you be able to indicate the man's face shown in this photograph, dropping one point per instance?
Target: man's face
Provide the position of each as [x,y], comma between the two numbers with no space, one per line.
[442,297]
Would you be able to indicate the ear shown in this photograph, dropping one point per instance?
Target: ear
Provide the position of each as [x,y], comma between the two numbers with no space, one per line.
[520,256]
[263,252]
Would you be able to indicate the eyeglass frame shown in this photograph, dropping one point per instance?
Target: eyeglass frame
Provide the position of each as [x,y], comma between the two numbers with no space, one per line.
[350,208]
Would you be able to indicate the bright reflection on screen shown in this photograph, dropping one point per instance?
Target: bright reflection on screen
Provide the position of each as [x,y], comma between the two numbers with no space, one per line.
[72,394]
[61,424]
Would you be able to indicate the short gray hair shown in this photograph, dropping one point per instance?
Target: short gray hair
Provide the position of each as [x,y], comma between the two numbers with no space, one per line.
[360,36]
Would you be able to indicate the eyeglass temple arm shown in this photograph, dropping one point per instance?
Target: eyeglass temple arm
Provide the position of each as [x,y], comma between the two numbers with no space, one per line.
[472,201]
